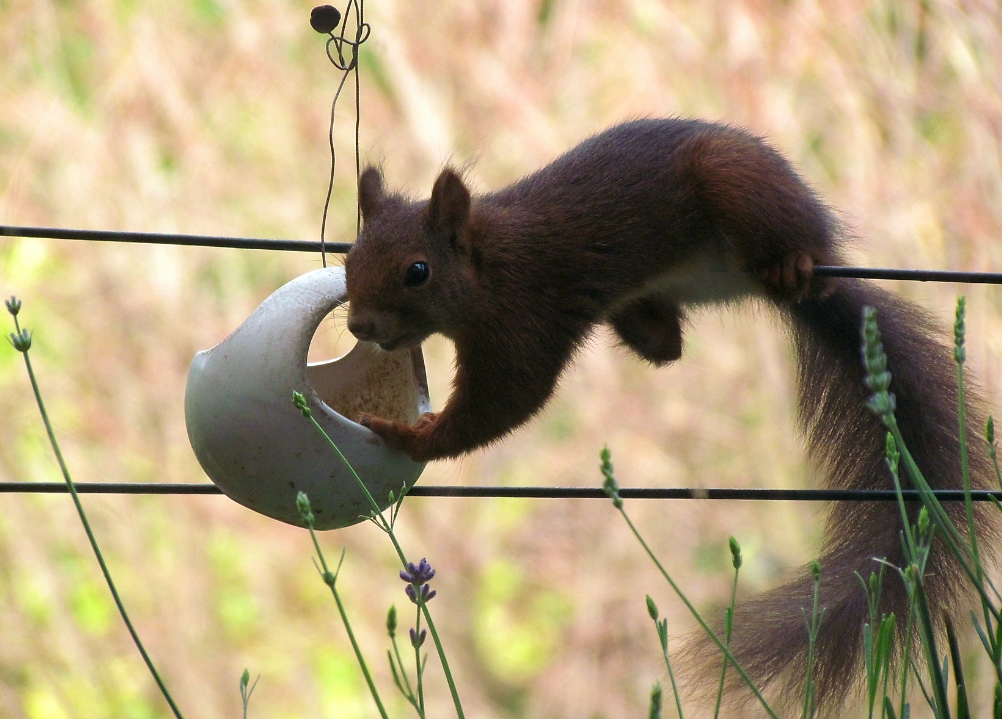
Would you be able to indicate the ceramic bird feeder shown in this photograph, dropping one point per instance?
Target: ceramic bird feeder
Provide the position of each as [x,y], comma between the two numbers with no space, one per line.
[260,450]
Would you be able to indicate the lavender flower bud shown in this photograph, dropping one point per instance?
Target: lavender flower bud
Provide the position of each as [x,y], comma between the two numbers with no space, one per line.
[610,486]
[13,305]
[735,552]
[305,511]
[877,379]
[391,620]
[417,639]
[21,340]
[893,455]
[300,402]
[959,330]
[652,608]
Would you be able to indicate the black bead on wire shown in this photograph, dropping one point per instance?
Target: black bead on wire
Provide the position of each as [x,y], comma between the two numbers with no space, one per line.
[327,19]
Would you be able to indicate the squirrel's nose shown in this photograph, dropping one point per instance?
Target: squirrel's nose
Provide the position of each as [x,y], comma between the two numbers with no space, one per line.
[361,328]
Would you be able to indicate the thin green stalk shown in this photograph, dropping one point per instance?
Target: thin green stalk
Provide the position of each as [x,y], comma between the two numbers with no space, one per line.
[654,710]
[662,630]
[963,706]
[882,403]
[925,692]
[812,629]
[246,689]
[300,402]
[887,632]
[949,533]
[671,676]
[611,488]
[927,632]
[736,560]
[417,663]
[960,356]
[83,516]
[330,579]
[986,643]
[434,635]
[695,613]
[405,686]
[908,651]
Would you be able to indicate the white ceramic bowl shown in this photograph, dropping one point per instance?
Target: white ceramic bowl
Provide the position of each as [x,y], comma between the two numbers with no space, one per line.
[260,450]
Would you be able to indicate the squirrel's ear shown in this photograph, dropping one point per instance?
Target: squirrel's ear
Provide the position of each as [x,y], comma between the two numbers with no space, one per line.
[370,193]
[449,206]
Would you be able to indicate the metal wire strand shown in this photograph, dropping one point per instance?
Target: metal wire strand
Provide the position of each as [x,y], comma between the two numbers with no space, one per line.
[258,243]
[487,491]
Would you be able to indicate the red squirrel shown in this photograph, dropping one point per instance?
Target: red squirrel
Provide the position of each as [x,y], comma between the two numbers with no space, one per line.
[630,228]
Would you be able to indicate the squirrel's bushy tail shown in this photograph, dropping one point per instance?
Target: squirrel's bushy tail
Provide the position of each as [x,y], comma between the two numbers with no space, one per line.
[847,446]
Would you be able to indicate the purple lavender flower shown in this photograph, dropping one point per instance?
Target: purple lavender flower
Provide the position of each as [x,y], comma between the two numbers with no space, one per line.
[417,574]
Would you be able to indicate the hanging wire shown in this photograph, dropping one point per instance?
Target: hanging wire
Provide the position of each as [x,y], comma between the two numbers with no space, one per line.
[325,19]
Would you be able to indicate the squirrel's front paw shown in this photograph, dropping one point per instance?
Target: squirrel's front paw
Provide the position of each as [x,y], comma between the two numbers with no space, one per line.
[397,435]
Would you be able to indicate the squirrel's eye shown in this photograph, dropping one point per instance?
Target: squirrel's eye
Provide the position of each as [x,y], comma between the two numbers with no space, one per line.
[417,274]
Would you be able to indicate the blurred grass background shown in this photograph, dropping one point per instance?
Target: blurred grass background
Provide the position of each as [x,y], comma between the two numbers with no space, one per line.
[210,116]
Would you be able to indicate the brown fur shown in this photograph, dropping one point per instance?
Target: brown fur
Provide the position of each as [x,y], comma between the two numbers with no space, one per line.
[629,228]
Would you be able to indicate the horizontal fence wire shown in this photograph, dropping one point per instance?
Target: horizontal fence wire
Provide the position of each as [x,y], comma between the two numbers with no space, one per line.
[257,243]
[774,495]
[161,238]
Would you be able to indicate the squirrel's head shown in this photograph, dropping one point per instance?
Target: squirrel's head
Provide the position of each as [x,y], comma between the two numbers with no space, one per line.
[406,273]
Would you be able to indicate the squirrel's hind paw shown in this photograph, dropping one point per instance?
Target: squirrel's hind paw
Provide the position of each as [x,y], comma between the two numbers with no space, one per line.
[792,278]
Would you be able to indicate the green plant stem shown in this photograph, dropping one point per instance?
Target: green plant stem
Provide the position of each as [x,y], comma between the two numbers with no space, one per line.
[963,709]
[434,635]
[662,629]
[908,651]
[965,468]
[949,533]
[942,707]
[886,660]
[812,629]
[90,535]
[729,621]
[702,622]
[965,471]
[417,661]
[405,688]
[347,625]
[403,560]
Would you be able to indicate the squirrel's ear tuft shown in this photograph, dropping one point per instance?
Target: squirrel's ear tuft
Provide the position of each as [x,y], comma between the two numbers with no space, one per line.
[370,193]
[449,206]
